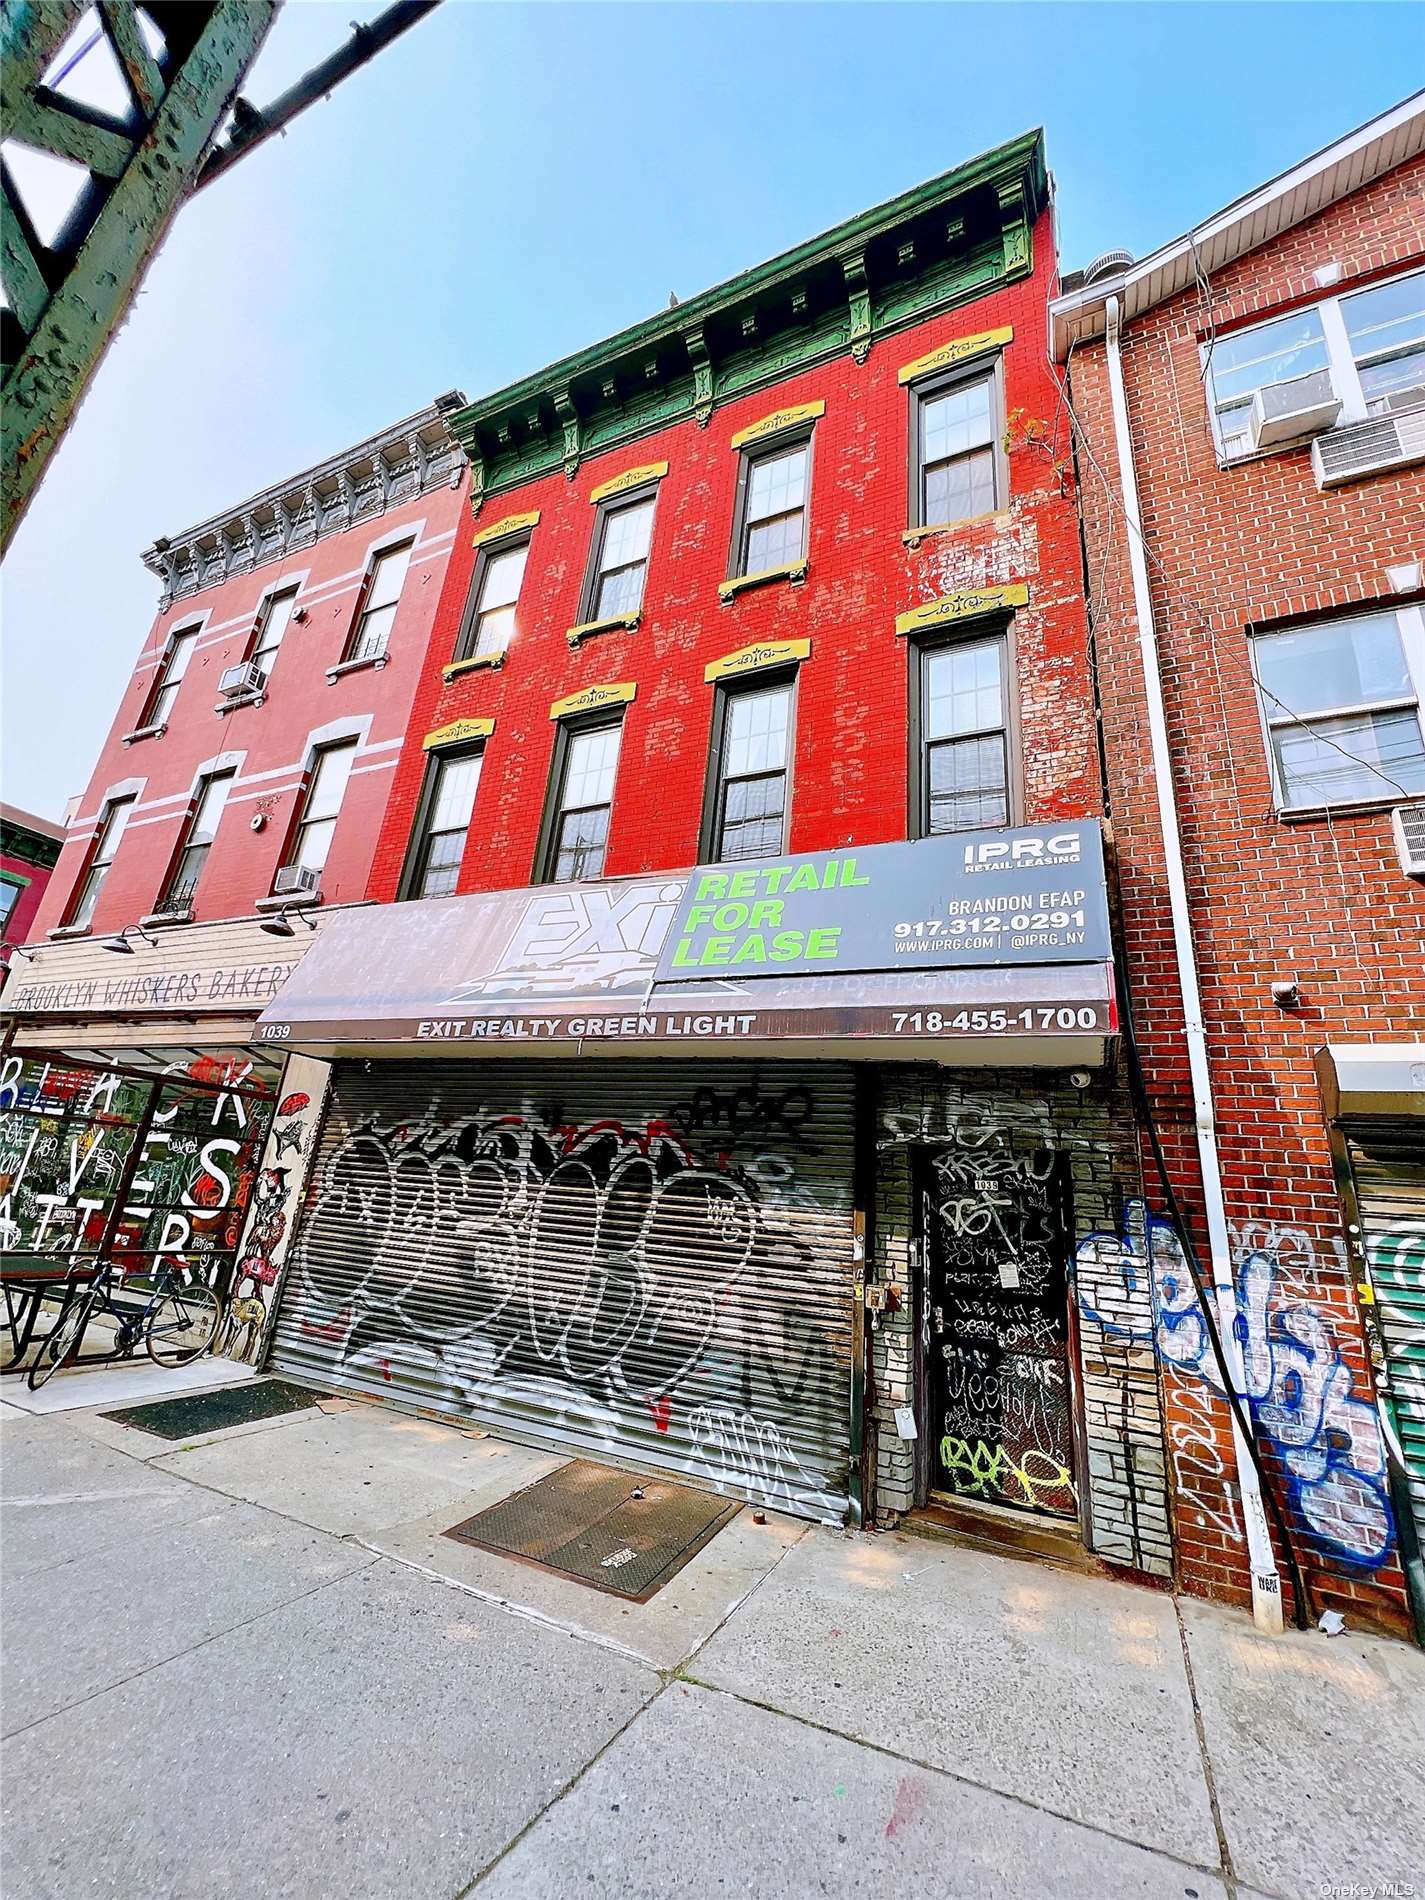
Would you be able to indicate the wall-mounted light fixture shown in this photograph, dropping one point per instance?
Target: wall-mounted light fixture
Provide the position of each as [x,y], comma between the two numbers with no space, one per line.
[122,943]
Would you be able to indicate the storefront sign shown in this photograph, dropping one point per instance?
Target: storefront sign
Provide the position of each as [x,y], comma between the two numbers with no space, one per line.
[779,420]
[592,698]
[203,969]
[458,732]
[1000,934]
[959,350]
[631,478]
[752,659]
[966,605]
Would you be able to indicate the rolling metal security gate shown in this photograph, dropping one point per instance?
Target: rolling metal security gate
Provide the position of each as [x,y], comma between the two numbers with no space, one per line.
[648,1263]
[1388,1165]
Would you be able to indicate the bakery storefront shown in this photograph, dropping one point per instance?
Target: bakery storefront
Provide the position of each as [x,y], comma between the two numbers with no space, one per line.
[137,1114]
[747,1174]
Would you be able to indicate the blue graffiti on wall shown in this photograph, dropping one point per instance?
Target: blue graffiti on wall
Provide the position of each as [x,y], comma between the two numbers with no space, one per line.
[1299,1389]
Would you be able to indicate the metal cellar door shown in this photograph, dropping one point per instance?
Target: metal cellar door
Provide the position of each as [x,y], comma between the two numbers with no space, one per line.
[645,1263]
[1389,1169]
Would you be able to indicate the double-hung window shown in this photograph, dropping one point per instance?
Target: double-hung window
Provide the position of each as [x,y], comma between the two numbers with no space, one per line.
[324,795]
[751,753]
[771,526]
[447,803]
[276,616]
[489,628]
[619,564]
[170,677]
[955,463]
[371,635]
[1341,704]
[960,699]
[106,843]
[1371,343]
[577,828]
[181,888]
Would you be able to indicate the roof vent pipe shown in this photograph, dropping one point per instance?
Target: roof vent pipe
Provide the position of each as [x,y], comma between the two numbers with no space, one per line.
[1107,264]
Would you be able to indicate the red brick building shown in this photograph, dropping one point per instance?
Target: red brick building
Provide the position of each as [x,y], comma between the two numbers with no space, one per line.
[629,1148]
[1250,402]
[29,846]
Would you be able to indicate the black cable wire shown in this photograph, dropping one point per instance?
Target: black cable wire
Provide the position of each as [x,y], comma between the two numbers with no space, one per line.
[1304,1605]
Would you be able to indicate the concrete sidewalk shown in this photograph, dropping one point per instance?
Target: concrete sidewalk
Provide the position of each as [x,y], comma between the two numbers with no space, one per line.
[252,1665]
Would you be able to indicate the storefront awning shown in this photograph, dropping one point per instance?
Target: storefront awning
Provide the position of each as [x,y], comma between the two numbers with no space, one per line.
[1372,1078]
[995,943]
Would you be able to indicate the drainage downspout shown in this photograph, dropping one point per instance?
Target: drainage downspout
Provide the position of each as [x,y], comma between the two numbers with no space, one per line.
[1266,1582]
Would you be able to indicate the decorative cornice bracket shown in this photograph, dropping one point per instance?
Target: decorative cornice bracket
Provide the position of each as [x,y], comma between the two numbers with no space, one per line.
[858,298]
[702,363]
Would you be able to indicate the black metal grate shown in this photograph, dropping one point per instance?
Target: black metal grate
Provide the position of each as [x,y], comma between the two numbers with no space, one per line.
[215,1411]
[616,1532]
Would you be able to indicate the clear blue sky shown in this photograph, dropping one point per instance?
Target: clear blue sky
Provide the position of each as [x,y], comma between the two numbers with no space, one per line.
[509,182]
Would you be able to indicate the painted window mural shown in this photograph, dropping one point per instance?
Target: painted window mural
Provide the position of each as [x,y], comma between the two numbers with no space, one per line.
[141,1168]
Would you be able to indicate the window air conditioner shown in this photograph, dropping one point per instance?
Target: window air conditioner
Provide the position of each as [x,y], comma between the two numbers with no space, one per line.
[240,680]
[1289,412]
[1366,448]
[1408,824]
[295,880]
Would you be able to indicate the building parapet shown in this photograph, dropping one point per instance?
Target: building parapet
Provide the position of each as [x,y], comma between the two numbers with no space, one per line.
[362,483]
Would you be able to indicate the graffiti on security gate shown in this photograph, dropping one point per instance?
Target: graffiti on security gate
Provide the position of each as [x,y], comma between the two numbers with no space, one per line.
[523,1264]
[1301,1391]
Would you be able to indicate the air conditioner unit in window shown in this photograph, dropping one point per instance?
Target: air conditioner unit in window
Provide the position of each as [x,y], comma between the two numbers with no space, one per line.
[1366,448]
[237,682]
[1290,412]
[1408,824]
[1401,401]
[295,880]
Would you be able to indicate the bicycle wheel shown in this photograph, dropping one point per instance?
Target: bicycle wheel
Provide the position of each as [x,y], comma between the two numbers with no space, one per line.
[64,1341]
[183,1324]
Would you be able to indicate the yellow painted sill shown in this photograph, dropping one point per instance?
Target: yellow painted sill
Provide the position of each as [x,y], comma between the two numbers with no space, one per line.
[914,536]
[794,571]
[612,623]
[484,662]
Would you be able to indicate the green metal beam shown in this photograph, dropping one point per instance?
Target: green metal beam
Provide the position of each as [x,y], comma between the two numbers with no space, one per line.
[88,297]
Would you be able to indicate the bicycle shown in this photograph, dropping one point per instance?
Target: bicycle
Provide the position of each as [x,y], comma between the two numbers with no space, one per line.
[178,1323]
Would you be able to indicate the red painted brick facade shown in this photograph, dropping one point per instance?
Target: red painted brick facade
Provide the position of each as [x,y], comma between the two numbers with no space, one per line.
[273,739]
[1325,902]
[850,775]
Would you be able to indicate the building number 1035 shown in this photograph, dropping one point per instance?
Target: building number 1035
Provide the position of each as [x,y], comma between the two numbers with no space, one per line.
[978,925]
[935,1022]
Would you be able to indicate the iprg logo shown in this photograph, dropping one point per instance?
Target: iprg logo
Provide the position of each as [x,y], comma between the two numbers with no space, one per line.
[1065,847]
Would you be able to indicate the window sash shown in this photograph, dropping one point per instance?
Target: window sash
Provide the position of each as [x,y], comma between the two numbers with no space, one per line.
[323,805]
[106,846]
[378,608]
[1311,748]
[276,618]
[450,805]
[1361,393]
[772,529]
[758,831]
[182,883]
[587,764]
[170,678]
[492,622]
[964,724]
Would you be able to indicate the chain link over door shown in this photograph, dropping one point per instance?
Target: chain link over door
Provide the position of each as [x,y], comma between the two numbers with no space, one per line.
[647,1263]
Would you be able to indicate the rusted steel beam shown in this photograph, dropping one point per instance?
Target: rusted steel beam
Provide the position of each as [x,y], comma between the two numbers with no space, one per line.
[90,296]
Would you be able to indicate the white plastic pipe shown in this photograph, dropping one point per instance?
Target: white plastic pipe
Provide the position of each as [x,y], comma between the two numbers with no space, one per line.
[1266,1582]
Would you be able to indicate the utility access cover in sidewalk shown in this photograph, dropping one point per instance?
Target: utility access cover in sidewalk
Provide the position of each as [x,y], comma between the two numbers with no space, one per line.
[616,1532]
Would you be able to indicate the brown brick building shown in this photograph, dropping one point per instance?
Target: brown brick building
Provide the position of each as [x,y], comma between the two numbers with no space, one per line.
[1250,409]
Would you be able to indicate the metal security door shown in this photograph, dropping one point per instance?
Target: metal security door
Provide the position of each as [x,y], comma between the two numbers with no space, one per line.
[997,1223]
[649,1264]
[1388,1166]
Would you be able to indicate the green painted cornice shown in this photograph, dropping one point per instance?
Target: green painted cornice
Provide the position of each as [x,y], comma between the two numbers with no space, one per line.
[938,245]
